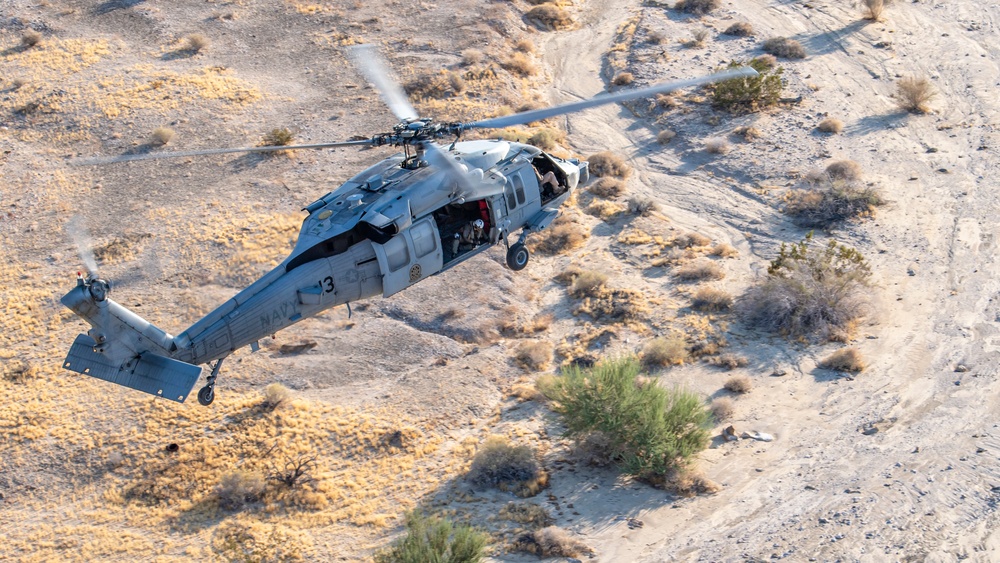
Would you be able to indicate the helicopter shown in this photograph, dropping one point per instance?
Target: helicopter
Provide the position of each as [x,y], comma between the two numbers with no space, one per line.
[408,217]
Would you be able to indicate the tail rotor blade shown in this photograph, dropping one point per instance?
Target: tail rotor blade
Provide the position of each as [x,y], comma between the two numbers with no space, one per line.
[371,65]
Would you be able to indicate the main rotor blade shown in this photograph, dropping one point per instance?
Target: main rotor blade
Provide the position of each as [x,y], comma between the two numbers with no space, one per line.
[471,185]
[159,155]
[77,230]
[369,62]
[602,99]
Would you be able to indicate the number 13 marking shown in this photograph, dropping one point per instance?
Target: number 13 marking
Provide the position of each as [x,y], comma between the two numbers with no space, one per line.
[326,284]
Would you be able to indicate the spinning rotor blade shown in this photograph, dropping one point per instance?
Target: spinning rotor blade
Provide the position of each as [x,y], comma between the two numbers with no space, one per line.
[469,184]
[78,233]
[159,155]
[602,99]
[369,62]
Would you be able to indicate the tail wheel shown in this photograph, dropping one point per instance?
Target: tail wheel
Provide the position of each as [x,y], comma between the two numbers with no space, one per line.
[517,257]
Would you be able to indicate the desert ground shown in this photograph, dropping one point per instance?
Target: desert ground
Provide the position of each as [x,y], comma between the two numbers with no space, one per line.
[898,462]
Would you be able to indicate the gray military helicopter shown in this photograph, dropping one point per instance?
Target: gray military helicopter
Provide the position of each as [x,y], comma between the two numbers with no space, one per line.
[402,220]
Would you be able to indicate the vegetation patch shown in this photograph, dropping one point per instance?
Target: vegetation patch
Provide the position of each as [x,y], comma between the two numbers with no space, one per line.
[609,164]
[552,542]
[811,291]
[739,29]
[838,194]
[613,305]
[549,17]
[738,384]
[499,465]
[831,125]
[914,94]
[711,299]
[785,48]
[534,355]
[607,187]
[665,351]
[429,538]
[651,430]
[845,359]
[527,513]
[700,270]
[722,409]
[697,7]
[750,93]
[563,235]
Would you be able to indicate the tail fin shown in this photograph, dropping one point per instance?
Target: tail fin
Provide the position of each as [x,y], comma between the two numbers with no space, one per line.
[123,348]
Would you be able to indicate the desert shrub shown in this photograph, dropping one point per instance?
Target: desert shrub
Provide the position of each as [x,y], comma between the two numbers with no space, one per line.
[832,201]
[519,64]
[161,136]
[435,539]
[724,250]
[278,137]
[652,430]
[665,351]
[686,482]
[700,270]
[564,235]
[739,29]
[549,16]
[656,37]
[275,394]
[534,355]
[831,125]
[587,283]
[722,409]
[546,138]
[738,384]
[748,133]
[30,38]
[456,82]
[710,299]
[716,146]
[914,94]
[500,465]
[810,291]
[606,210]
[258,542]
[697,41]
[728,361]
[845,359]
[873,8]
[613,305]
[552,542]
[196,43]
[697,7]
[238,488]
[623,79]
[844,170]
[527,513]
[785,48]
[608,164]
[750,93]
[665,136]
[607,187]
[690,239]
[641,206]
[667,101]
[294,473]
[764,61]
[472,57]
[525,46]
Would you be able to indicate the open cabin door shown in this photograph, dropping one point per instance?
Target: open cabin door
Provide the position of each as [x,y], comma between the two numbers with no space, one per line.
[410,256]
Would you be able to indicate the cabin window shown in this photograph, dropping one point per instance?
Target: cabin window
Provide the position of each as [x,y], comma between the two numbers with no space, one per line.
[508,193]
[424,241]
[396,253]
[519,188]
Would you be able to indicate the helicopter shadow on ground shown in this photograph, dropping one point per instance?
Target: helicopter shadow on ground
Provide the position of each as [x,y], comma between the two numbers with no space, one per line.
[113,5]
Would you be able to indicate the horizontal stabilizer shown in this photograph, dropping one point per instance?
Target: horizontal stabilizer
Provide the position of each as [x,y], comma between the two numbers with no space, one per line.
[150,373]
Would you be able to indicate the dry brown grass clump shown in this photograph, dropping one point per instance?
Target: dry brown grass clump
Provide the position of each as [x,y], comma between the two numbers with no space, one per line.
[739,29]
[588,283]
[722,409]
[717,146]
[739,384]
[665,351]
[608,164]
[656,37]
[710,299]
[623,79]
[196,43]
[838,194]
[665,136]
[525,46]
[563,235]
[278,137]
[472,57]
[607,187]
[162,136]
[845,359]
[765,61]
[873,8]
[549,17]
[275,394]
[728,361]
[785,48]
[667,101]
[552,542]
[844,170]
[530,514]
[614,305]
[606,210]
[698,40]
[520,64]
[831,125]
[30,38]
[690,239]
[700,270]
[686,482]
[510,468]
[534,355]
[697,7]
[914,94]
[547,138]
[725,250]
[238,488]
[643,206]
[748,133]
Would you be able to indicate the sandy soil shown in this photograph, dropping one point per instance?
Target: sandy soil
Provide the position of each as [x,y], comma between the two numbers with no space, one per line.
[899,463]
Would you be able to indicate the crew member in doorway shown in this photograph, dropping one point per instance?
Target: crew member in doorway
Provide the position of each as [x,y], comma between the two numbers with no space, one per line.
[548,182]
[471,234]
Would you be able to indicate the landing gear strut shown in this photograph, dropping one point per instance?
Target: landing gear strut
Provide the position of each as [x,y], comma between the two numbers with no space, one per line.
[517,253]
[207,393]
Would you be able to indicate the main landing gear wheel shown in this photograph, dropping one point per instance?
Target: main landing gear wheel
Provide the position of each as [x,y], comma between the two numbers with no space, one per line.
[517,257]
[206,395]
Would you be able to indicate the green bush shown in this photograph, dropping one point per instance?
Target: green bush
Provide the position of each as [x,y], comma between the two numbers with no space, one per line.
[431,539]
[750,93]
[811,291]
[502,466]
[651,430]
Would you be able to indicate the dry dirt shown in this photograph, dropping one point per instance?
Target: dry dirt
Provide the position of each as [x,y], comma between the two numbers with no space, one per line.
[901,462]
